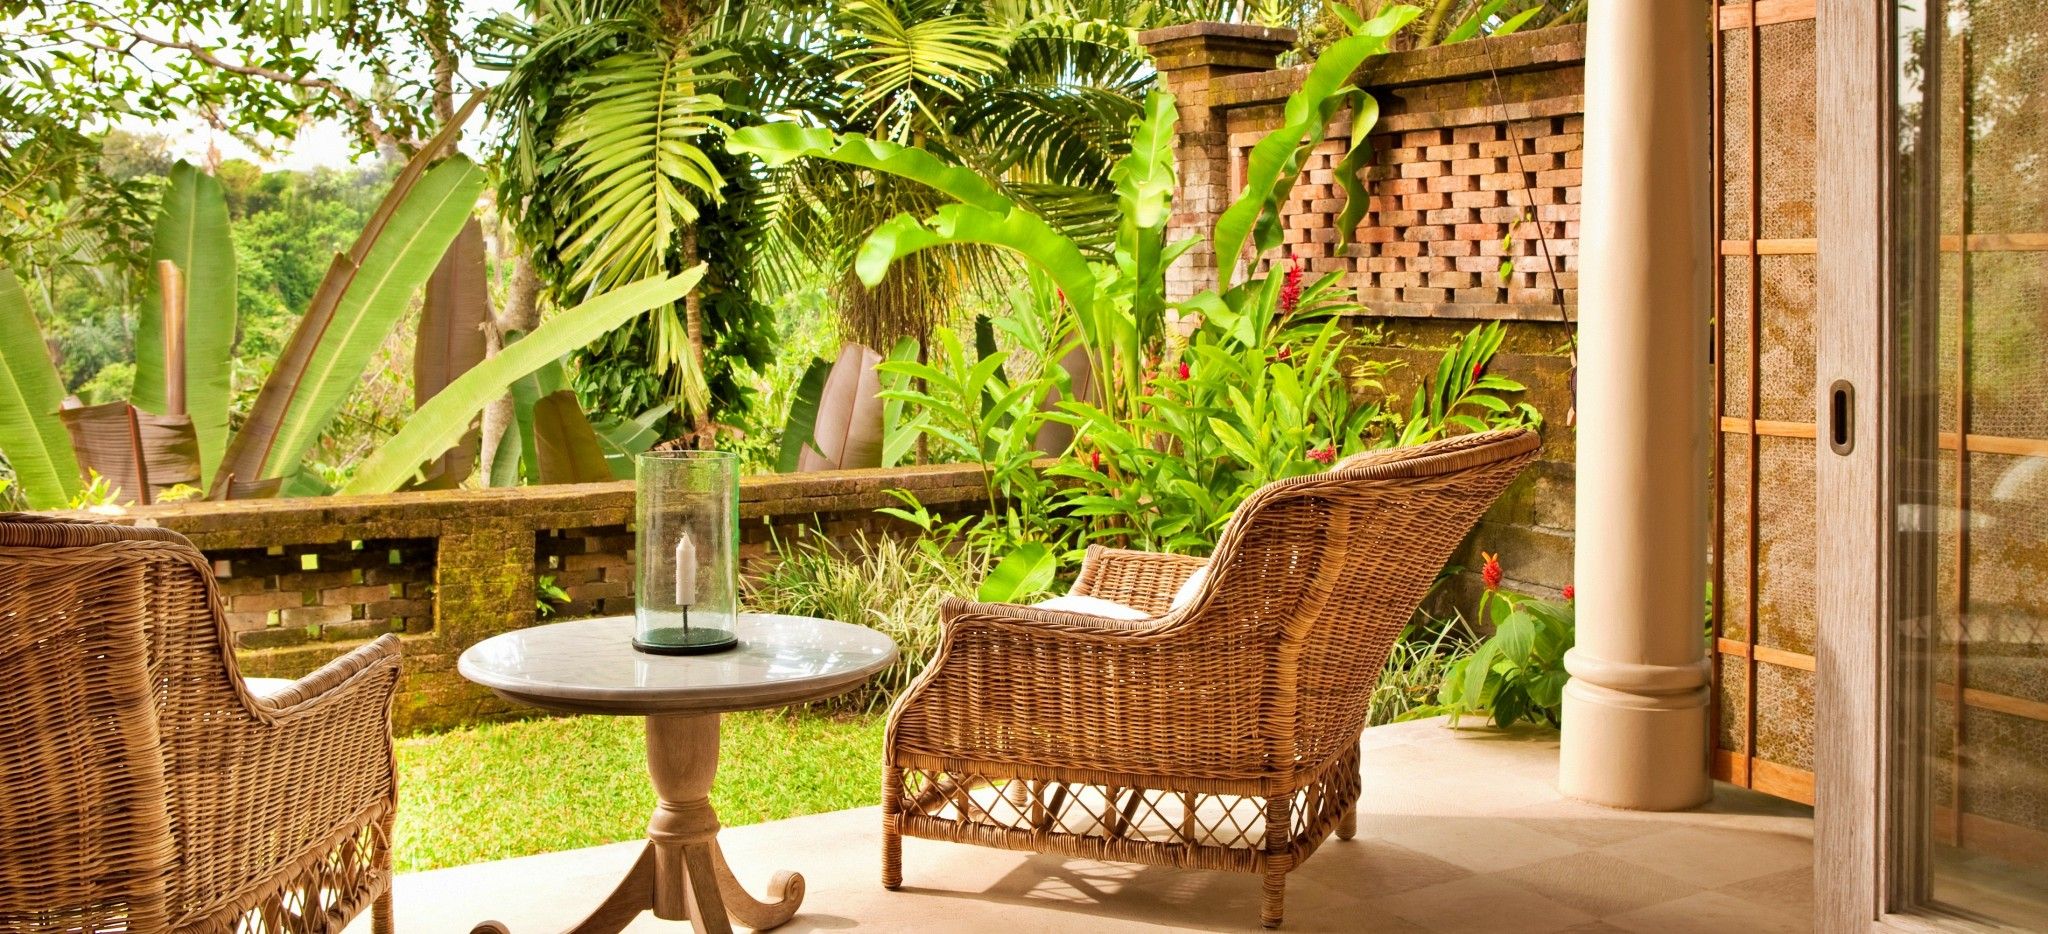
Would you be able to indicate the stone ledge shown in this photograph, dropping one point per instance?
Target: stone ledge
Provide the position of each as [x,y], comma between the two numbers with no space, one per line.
[423,514]
[1536,50]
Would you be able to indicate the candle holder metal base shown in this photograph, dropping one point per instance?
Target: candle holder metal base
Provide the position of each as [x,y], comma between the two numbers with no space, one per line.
[675,640]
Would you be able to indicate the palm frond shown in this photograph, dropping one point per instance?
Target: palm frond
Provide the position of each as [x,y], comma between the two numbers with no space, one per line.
[905,56]
[631,154]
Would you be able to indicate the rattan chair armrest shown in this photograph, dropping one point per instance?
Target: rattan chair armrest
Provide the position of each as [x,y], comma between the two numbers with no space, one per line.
[1145,580]
[333,678]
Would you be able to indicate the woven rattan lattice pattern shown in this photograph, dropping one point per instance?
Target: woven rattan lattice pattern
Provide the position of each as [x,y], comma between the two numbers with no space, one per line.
[1785,371]
[1786,200]
[147,790]
[1221,735]
[1735,104]
[1784,715]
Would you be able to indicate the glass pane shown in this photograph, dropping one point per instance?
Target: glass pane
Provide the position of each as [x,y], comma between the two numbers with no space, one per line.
[1970,723]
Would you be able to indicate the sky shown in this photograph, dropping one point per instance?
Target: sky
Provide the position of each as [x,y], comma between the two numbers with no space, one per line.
[325,143]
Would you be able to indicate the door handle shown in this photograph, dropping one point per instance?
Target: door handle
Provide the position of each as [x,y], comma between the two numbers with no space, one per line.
[1841,423]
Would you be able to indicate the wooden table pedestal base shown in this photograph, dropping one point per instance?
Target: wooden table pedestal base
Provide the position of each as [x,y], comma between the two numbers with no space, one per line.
[682,875]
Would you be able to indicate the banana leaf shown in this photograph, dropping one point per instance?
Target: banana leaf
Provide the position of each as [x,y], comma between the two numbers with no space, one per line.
[625,439]
[441,422]
[848,432]
[31,435]
[899,437]
[364,292]
[451,340]
[1054,438]
[801,428]
[569,449]
[192,232]
[781,142]
[138,452]
[505,461]
[526,392]
[1270,169]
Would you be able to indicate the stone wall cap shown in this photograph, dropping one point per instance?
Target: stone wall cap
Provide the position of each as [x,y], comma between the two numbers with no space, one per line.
[1552,47]
[1241,32]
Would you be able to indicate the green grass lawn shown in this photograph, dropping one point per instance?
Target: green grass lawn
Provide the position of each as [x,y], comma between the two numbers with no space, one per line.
[536,786]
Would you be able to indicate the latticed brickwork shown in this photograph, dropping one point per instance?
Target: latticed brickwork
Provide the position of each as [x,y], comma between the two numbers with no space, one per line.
[1475,221]
[594,566]
[1474,185]
[347,590]
[1476,216]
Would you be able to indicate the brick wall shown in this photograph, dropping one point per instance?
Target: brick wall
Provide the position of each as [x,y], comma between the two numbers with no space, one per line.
[1476,165]
[306,580]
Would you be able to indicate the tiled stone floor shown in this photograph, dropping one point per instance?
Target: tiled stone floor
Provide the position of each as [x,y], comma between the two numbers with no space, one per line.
[1459,830]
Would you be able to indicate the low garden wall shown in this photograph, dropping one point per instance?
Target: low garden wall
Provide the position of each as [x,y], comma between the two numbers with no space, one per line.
[305,580]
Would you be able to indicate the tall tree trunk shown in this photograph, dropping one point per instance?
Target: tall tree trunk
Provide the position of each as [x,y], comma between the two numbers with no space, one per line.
[693,326]
[522,313]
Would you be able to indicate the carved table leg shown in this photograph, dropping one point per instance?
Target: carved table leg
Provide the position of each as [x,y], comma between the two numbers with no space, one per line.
[682,875]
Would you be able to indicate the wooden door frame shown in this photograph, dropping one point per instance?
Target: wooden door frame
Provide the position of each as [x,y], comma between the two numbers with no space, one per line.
[1853,558]
[1868,706]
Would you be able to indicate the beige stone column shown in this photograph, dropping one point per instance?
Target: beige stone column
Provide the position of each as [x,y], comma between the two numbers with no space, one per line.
[1189,58]
[1636,710]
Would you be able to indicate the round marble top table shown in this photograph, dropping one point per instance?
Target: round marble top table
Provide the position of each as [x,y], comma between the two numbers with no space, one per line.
[590,666]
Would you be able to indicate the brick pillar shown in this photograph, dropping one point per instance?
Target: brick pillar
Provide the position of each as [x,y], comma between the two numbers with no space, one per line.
[1189,57]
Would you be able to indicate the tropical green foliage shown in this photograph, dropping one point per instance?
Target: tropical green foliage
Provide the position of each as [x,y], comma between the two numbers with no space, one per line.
[35,443]
[1515,674]
[1193,404]
[371,286]
[613,112]
[1413,678]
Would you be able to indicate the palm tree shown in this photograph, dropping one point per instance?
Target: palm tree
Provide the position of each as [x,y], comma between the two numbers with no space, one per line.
[614,109]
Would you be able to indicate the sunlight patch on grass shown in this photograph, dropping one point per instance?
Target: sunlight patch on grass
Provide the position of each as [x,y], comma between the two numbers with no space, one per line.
[536,786]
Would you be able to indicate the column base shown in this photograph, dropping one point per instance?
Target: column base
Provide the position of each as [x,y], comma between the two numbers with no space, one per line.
[1634,751]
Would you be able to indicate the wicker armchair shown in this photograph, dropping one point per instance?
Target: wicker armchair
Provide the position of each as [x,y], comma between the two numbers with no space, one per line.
[142,787]
[1221,735]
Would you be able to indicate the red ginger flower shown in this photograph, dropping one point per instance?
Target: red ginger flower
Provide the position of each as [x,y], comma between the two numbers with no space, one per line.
[1095,461]
[1290,289]
[1490,571]
[1324,455]
[1183,369]
[1478,370]
[1569,593]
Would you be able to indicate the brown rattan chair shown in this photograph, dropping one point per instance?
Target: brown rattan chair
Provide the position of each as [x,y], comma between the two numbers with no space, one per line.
[1221,735]
[142,787]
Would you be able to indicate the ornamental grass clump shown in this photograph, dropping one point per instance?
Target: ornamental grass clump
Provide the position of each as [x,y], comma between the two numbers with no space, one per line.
[885,583]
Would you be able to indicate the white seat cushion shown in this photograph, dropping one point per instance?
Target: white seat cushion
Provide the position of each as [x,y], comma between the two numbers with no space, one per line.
[1190,587]
[266,687]
[1091,606]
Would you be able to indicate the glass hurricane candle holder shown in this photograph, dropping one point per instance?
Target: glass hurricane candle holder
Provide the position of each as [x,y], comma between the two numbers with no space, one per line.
[686,591]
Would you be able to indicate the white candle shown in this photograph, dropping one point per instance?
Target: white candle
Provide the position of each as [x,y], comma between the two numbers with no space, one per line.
[686,570]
